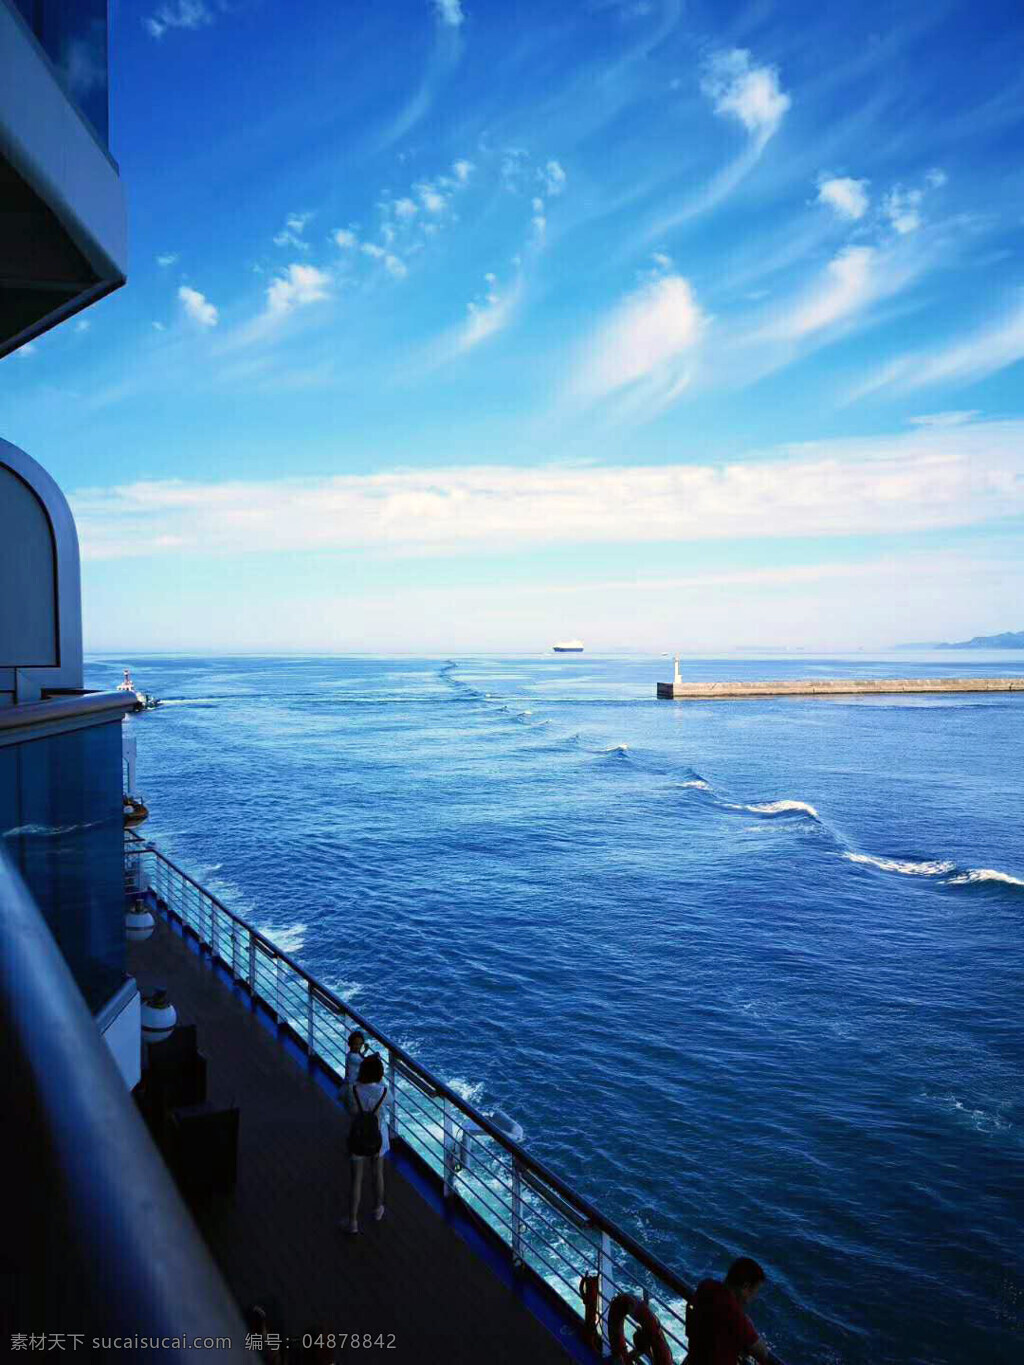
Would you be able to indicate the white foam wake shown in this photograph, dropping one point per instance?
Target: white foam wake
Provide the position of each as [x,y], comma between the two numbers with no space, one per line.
[984,874]
[699,783]
[934,868]
[779,808]
[289,940]
[47,831]
[470,1091]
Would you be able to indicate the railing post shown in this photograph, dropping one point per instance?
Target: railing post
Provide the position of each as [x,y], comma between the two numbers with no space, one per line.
[234,950]
[213,929]
[449,1148]
[277,991]
[605,1288]
[393,1120]
[252,968]
[310,1018]
[517,1214]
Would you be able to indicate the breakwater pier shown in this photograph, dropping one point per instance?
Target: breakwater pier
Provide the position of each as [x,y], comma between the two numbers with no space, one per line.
[680,690]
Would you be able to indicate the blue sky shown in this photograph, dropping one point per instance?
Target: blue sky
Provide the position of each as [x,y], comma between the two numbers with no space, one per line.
[470,324]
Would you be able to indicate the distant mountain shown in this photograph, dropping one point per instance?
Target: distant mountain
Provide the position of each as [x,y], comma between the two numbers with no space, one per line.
[1010,639]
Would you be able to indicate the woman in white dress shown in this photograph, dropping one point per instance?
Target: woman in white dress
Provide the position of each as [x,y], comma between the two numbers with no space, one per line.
[368,1135]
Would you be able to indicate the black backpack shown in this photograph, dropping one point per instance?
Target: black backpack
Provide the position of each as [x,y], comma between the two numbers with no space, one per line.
[364,1135]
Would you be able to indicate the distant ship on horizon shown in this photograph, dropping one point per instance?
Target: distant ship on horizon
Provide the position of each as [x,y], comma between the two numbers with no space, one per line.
[568,647]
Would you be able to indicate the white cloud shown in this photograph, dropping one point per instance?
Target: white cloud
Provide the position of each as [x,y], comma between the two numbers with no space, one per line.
[462,170]
[849,198]
[291,233]
[82,325]
[946,419]
[185,14]
[159,327]
[648,340]
[749,93]
[372,250]
[298,286]
[431,198]
[936,177]
[395,266]
[488,314]
[346,239]
[993,347]
[513,167]
[450,12]
[924,479]
[846,286]
[903,209]
[197,306]
[405,208]
[553,178]
[168,258]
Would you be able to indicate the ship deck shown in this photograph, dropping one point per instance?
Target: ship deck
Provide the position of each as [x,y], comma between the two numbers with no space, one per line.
[413,1277]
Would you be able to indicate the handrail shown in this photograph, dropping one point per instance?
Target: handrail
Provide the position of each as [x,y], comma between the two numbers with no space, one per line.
[104,1244]
[62,708]
[593,1215]
[533,1172]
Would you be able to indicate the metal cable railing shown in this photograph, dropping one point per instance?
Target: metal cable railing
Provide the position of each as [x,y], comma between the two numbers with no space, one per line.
[546,1225]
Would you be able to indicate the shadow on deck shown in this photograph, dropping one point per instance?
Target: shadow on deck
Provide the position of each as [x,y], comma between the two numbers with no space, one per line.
[411,1278]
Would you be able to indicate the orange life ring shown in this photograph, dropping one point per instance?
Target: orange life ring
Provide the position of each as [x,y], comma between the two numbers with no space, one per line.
[589,1286]
[648,1339]
[134,811]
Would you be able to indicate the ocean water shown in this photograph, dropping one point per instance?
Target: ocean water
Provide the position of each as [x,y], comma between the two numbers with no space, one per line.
[748,973]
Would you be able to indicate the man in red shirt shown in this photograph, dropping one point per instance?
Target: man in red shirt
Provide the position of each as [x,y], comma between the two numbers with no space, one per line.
[718,1330]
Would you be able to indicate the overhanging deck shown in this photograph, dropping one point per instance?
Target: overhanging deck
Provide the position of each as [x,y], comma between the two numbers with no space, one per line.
[276,1239]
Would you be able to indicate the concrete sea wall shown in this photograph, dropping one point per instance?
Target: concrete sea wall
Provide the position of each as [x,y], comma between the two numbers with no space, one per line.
[841,687]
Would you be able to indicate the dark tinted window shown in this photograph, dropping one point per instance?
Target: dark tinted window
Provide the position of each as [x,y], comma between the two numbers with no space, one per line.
[62,825]
[74,35]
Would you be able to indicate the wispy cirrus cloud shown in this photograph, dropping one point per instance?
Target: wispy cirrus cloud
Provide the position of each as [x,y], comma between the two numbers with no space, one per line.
[848,283]
[450,12]
[994,346]
[955,418]
[645,347]
[923,479]
[489,313]
[167,258]
[292,234]
[741,91]
[445,54]
[181,14]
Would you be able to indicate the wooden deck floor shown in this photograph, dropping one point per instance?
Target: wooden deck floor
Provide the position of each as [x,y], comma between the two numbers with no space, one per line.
[277,1241]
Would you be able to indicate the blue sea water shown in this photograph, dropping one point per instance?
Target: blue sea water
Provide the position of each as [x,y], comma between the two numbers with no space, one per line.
[748,973]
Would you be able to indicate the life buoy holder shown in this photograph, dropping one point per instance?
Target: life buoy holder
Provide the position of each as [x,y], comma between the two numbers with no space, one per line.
[648,1339]
[135,811]
[589,1292]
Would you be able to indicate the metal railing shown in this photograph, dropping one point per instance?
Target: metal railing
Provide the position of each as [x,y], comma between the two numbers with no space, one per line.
[546,1225]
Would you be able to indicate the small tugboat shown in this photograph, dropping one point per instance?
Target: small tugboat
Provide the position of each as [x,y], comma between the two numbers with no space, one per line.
[144,701]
